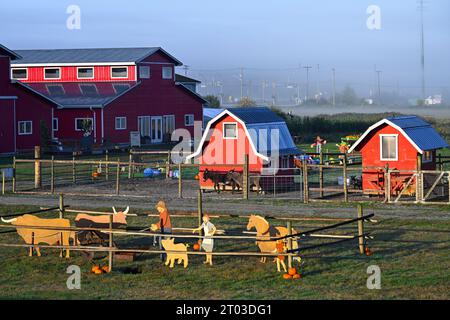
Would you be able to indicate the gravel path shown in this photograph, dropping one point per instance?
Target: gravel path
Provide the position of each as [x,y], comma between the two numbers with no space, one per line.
[263,207]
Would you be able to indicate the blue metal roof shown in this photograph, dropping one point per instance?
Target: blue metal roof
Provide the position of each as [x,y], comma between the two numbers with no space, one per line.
[420,131]
[94,55]
[256,115]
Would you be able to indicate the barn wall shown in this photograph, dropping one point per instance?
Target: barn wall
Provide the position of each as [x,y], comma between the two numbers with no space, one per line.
[66,121]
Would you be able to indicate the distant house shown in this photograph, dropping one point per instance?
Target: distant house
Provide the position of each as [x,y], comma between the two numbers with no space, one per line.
[405,143]
[233,133]
[111,91]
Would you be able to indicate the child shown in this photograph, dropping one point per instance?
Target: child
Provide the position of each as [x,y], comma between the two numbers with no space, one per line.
[164,224]
[281,248]
[208,243]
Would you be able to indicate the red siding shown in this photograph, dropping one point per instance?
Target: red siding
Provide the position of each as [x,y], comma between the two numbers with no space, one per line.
[69,74]
[6,126]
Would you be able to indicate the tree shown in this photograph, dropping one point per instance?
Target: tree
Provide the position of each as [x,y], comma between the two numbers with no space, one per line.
[347,96]
[247,102]
[213,101]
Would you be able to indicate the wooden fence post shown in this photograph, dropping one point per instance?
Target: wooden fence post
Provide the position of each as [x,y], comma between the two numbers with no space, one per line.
[344,176]
[245,186]
[110,253]
[52,175]
[61,205]
[360,229]
[14,175]
[118,177]
[130,164]
[180,182]
[168,165]
[419,179]
[305,182]
[200,210]
[289,243]
[448,179]
[3,182]
[37,167]
[74,170]
[387,184]
[107,165]
[321,173]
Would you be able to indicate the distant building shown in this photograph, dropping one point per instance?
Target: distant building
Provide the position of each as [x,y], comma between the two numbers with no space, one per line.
[433,100]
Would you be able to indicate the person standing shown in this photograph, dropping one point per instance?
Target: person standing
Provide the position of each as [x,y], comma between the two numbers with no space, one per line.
[208,242]
[164,224]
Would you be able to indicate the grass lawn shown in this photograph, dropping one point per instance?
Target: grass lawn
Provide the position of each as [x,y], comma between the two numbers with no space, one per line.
[414,257]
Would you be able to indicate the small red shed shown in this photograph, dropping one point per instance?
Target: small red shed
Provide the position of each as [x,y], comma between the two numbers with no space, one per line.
[401,143]
[257,132]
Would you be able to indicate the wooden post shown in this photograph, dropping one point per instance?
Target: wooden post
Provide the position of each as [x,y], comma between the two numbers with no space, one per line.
[61,205]
[321,173]
[107,165]
[168,165]
[344,176]
[14,175]
[180,182]
[245,186]
[37,167]
[439,161]
[419,179]
[110,253]
[200,210]
[305,182]
[360,229]
[118,177]
[74,170]
[387,184]
[289,243]
[448,179]
[52,175]
[130,164]
[3,182]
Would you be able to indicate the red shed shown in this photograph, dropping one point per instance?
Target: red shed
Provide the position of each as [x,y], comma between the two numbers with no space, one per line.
[257,132]
[401,143]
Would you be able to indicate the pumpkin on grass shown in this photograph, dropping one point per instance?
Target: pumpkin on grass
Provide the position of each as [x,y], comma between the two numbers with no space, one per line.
[296,276]
[94,268]
[105,269]
[292,271]
[98,271]
[196,246]
[367,251]
[287,276]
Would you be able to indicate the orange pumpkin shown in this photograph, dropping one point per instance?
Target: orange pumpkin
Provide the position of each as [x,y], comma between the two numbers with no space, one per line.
[287,276]
[98,271]
[292,271]
[367,251]
[296,276]
[196,177]
[94,268]
[105,269]
[196,247]
[95,174]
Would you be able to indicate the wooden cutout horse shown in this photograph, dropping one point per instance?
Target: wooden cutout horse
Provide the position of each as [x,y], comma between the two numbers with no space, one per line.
[264,231]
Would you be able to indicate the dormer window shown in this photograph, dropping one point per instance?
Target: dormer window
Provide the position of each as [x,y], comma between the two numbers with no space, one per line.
[55,89]
[52,73]
[88,89]
[119,72]
[230,131]
[167,73]
[85,73]
[19,73]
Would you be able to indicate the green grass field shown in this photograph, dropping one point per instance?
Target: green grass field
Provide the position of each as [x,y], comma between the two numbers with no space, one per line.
[414,257]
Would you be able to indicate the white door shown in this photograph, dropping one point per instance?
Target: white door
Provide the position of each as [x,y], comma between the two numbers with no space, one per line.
[144,126]
[156,129]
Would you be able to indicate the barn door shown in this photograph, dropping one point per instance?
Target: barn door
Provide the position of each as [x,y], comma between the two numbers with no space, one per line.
[156,129]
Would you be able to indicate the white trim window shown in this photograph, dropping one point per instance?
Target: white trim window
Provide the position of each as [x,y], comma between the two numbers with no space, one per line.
[427,156]
[19,73]
[167,73]
[80,124]
[188,120]
[389,147]
[119,72]
[121,123]
[89,89]
[85,72]
[25,127]
[168,124]
[52,73]
[55,124]
[144,72]
[230,130]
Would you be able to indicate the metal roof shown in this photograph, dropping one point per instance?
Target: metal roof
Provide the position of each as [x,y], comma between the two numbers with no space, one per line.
[185,79]
[13,55]
[72,95]
[256,115]
[91,55]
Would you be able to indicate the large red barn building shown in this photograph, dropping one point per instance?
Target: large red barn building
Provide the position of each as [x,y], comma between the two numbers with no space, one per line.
[105,92]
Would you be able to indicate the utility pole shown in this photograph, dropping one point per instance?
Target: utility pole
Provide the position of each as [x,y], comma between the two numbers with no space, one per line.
[307,81]
[334,86]
[186,68]
[379,85]
[241,78]
[422,48]
[264,91]
[317,80]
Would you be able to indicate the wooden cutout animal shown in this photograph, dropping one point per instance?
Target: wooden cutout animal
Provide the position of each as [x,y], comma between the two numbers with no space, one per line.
[264,231]
[37,236]
[238,179]
[181,255]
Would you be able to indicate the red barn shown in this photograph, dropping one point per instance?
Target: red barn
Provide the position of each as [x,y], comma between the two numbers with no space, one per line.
[257,132]
[23,113]
[112,92]
[400,143]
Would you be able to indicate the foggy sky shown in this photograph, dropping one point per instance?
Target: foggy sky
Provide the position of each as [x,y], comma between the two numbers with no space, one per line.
[264,35]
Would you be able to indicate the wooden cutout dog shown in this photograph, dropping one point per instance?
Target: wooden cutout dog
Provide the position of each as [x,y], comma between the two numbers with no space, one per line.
[181,255]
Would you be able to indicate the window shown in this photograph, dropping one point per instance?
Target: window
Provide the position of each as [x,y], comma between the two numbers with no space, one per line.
[121,123]
[388,146]
[144,72]
[119,72]
[19,73]
[55,90]
[121,87]
[83,124]
[230,131]
[168,124]
[25,127]
[188,119]
[88,89]
[427,156]
[55,124]
[52,73]
[284,162]
[85,73]
[167,73]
